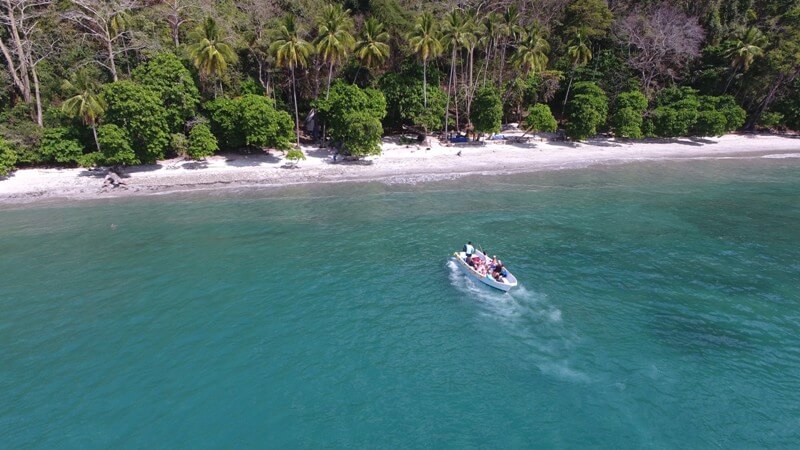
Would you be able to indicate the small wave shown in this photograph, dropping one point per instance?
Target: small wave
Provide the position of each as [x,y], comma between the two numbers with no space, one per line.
[562,371]
[782,156]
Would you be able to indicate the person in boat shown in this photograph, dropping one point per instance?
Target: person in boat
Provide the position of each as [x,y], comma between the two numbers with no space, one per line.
[493,263]
[500,273]
[469,250]
[476,262]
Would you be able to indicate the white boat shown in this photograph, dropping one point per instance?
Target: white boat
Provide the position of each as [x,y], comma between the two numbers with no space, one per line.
[461,259]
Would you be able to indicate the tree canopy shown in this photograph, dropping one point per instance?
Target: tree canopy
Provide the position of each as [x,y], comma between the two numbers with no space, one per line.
[151,71]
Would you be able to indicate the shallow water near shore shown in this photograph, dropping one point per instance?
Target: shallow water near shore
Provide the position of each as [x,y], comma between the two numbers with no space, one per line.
[659,307]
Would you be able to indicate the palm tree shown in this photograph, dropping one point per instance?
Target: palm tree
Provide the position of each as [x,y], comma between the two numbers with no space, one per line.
[493,29]
[472,31]
[744,50]
[335,38]
[373,47]
[87,104]
[291,51]
[579,55]
[425,42]
[209,51]
[454,38]
[532,52]
[512,32]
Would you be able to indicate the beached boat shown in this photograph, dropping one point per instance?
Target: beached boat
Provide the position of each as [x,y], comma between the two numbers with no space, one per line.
[461,259]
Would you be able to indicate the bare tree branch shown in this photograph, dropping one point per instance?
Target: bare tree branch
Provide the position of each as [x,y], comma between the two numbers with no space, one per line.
[661,41]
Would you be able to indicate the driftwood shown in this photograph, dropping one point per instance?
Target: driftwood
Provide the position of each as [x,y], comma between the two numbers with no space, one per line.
[113,180]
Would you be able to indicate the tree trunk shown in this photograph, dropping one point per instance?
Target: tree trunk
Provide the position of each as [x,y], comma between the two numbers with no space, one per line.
[471,87]
[502,65]
[449,85]
[176,39]
[330,75]
[316,80]
[327,95]
[94,133]
[112,65]
[12,69]
[261,74]
[21,54]
[296,113]
[768,99]
[455,98]
[566,97]
[39,120]
[425,82]
[486,63]
[728,84]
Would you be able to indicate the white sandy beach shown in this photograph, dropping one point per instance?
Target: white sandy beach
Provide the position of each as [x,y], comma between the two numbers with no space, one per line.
[397,164]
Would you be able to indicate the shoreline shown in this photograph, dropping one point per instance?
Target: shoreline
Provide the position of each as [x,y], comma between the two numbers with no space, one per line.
[398,164]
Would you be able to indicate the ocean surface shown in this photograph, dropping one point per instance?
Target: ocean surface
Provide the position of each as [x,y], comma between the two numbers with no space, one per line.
[659,307]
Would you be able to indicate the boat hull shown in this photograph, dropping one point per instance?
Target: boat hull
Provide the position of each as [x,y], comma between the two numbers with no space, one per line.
[460,258]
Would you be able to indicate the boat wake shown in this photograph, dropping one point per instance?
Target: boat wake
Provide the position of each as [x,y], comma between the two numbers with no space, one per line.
[516,303]
[530,319]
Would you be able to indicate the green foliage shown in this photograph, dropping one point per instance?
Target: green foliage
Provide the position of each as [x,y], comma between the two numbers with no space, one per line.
[590,18]
[670,122]
[60,145]
[752,50]
[224,114]
[627,123]
[172,82]
[22,134]
[710,123]
[680,112]
[90,160]
[209,51]
[179,144]
[250,120]
[362,136]
[289,48]
[201,142]
[540,119]
[251,86]
[115,148]
[372,48]
[335,33]
[531,54]
[789,106]
[675,113]
[487,111]
[628,118]
[634,100]
[727,106]
[138,111]
[262,125]
[295,155]
[405,103]
[352,114]
[7,158]
[86,104]
[771,120]
[586,111]
[392,13]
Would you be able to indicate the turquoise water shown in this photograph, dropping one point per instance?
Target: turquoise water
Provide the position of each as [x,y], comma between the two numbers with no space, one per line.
[659,308]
